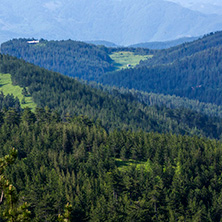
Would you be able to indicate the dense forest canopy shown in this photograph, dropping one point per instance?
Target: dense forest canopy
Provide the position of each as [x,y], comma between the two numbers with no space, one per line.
[195,77]
[116,176]
[158,99]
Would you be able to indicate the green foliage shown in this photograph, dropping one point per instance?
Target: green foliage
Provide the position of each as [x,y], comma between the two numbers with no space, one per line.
[13,212]
[9,101]
[123,165]
[165,178]
[66,217]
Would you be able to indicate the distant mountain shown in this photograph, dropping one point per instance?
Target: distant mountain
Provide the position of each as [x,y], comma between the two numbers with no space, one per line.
[163,45]
[204,6]
[102,42]
[123,22]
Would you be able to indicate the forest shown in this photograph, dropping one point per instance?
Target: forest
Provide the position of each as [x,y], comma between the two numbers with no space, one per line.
[76,161]
[95,152]
[114,110]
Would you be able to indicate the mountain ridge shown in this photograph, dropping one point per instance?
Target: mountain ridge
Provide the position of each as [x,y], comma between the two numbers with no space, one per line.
[129,22]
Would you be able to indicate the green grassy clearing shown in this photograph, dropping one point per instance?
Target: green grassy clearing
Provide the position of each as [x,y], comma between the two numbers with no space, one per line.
[41,44]
[7,88]
[124,165]
[122,59]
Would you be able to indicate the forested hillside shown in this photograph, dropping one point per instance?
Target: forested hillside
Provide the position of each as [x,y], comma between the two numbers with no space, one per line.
[117,176]
[9,101]
[191,70]
[157,99]
[70,97]
[212,40]
[72,58]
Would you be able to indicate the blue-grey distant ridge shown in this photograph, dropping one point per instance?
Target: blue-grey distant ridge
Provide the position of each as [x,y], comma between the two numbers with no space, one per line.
[123,22]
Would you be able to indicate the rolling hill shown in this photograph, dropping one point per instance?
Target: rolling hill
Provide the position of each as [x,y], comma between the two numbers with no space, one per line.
[101,153]
[73,58]
[164,45]
[76,59]
[189,70]
[107,168]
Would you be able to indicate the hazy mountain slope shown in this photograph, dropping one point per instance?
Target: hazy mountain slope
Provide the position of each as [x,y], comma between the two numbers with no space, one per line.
[123,22]
[204,6]
[164,45]
[102,42]
[187,49]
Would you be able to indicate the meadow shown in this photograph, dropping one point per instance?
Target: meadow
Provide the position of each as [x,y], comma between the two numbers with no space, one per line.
[123,60]
[7,87]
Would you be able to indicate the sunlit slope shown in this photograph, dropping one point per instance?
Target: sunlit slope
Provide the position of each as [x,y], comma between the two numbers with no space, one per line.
[123,60]
[7,88]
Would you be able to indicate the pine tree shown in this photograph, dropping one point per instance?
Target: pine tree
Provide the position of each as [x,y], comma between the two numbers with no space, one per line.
[12,212]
